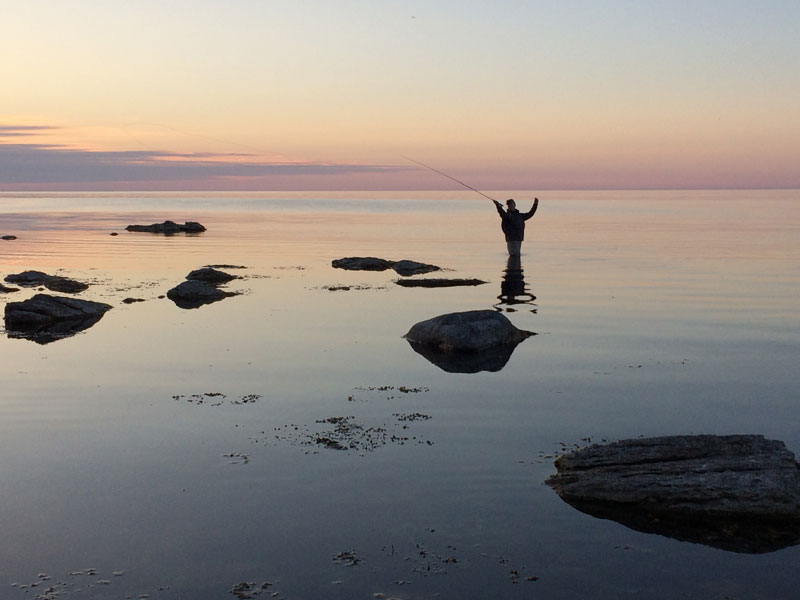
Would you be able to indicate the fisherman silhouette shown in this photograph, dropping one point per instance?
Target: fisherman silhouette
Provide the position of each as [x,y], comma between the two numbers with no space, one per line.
[513,289]
[513,224]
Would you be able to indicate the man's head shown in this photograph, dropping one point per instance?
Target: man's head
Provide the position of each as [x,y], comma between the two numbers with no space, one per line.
[511,204]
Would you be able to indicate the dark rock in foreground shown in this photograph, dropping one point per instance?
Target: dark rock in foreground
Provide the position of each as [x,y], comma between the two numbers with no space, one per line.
[437,283]
[358,263]
[46,318]
[6,290]
[9,237]
[467,342]
[737,492]
[53,283]
[168,227]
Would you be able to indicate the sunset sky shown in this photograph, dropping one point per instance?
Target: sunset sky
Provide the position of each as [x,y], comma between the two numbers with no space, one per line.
[334,94]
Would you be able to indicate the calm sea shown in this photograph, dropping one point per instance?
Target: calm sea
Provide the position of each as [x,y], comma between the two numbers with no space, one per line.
[179,453]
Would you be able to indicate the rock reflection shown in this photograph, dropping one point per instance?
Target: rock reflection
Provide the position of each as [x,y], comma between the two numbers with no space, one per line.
[513,289]
[493,359]
[742,535]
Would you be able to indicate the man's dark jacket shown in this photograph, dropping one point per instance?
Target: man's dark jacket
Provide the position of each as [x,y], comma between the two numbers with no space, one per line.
[513,224]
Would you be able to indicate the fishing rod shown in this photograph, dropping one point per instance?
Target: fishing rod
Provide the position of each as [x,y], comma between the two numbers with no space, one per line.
[449,177]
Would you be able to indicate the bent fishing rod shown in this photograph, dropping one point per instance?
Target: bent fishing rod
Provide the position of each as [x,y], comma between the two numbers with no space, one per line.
[469,187]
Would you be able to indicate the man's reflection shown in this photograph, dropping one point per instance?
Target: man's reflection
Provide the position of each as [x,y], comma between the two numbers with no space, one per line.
[513,290]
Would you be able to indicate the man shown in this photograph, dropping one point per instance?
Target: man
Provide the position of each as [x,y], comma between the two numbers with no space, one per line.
[513,224]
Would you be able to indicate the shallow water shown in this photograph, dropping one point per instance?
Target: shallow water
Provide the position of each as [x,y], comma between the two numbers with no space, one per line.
[657,313]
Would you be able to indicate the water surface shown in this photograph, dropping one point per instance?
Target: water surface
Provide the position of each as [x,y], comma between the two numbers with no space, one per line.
[657,313]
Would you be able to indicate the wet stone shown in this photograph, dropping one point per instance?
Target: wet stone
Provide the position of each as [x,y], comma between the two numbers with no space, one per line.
[210,275]
[738,492]
[168,228]
[55,283]
[438,282]
[44,318]
[249,589]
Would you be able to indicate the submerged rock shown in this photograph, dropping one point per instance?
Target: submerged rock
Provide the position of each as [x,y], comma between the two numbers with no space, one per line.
[437,283]
[359,263]
[54,283]
[467,342]
[6,290]
[46,318]
[9,237]
[168,227]
[736,492]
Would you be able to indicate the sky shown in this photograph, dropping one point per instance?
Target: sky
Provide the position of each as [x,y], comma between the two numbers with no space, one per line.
[113,95]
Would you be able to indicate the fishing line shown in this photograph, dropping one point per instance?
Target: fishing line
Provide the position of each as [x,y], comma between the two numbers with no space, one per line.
[449,177]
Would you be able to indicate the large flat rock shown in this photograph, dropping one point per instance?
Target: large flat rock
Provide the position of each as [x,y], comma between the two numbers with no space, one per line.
[737,492]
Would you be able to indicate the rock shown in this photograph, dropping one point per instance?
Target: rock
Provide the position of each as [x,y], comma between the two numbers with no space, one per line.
[28,278]
[737,492]
[67,286]
[193,294]
[370,263]
[471,331]
[9,237]
[437,283]
[192,227]
[357,263]
[6,290]
[44,318]
[467,342]
[411,267]
[210,275]
[226,266]
[201,288]
[168,227]
[132,300]
[54,283]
